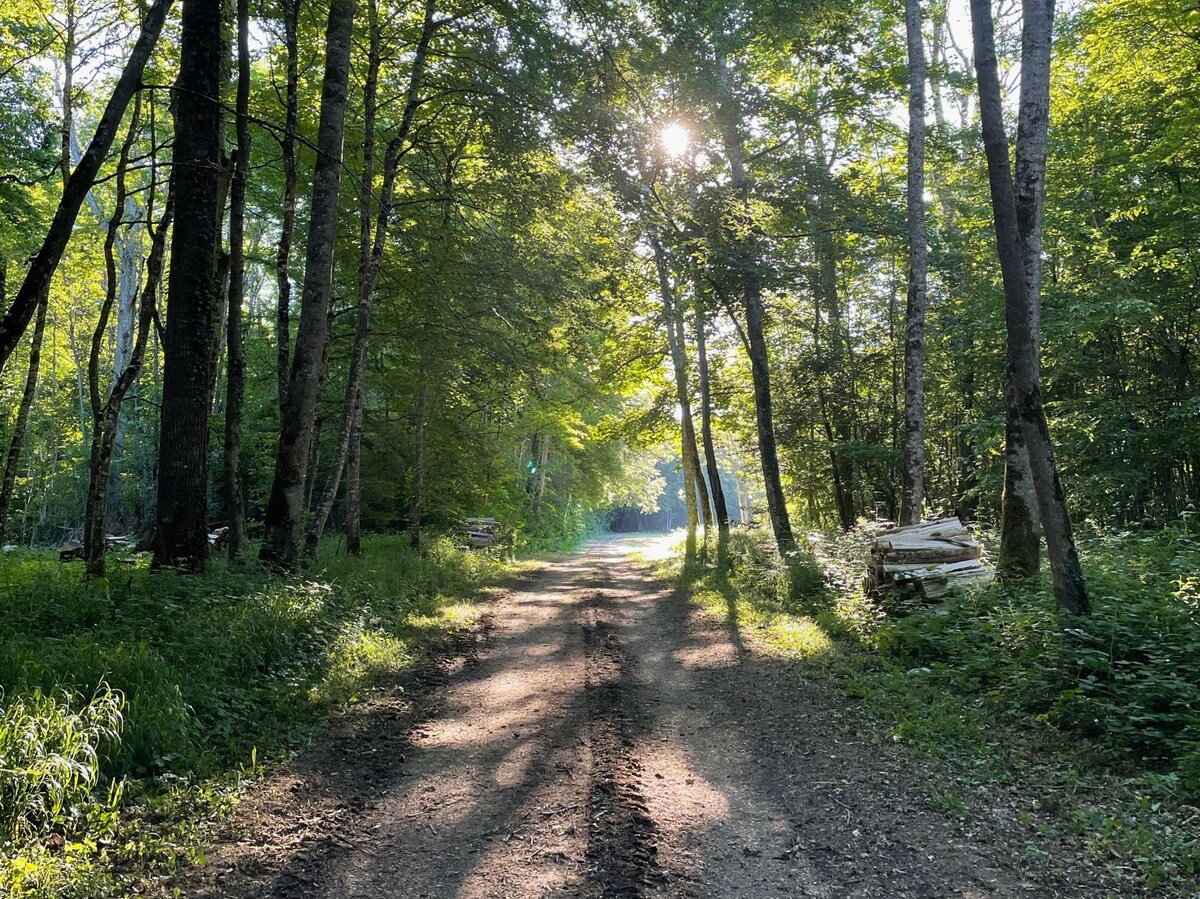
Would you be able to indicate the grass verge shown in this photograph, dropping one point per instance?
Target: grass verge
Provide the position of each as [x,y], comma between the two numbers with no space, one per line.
[1087,731]
[132,708]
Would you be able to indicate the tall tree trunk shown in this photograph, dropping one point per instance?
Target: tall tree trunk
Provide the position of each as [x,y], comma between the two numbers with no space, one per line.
[106,419]
[235,377]
[1018,213]
[68,93]
[129,252]
[839,428]
[370,252]
[966,502]
[193,295]
[96,506]
[912,497]
[41,269]
[354,487]
[418,491]
[1020,520]
[283,283]
[285,508]
[692,477]
[731,123]
[13,460]
[543,461]
[720,508]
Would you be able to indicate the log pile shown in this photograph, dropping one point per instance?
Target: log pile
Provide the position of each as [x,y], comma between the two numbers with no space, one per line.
[928,560]
[482,532]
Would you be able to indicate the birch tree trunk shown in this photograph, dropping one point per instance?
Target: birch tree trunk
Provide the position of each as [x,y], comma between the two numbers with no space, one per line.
[107,421]
[102,437]
[1018,213]
[285,508]
[912,496]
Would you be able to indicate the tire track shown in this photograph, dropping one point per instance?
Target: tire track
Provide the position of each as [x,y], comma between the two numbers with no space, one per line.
[622,852]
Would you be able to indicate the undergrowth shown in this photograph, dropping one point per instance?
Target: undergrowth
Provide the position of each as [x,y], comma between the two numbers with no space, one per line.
[131,707]
[1095,722]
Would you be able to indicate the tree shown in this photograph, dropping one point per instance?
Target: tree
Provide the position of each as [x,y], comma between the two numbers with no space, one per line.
[720,509]
[913,492]
[193,294]
[287,144]
[730,118]
[694,492]
[283,519]
[371,249]
[1018,211]
[235,384]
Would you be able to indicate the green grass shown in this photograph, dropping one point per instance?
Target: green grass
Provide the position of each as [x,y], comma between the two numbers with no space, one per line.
[1095,725]
[131,707]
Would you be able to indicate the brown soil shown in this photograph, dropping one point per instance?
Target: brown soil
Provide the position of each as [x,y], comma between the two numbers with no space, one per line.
[602,738]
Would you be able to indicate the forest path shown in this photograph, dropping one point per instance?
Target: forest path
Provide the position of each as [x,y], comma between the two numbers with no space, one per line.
[608,740]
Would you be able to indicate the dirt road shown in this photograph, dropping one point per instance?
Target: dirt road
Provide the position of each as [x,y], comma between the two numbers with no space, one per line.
[605,740]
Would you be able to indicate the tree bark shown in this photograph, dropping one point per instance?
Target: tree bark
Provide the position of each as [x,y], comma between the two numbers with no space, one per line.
[838,422]
[106,419]
[13,460]
[37,279]
[235,376]
[354,487]
[1018,212]
[193,295]
[731,122]
[285,508]
[912,497]
[720,508]
[418,492]
[543,461]
[283,283]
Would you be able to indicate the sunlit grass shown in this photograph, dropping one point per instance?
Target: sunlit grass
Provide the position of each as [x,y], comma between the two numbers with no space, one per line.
[148,694]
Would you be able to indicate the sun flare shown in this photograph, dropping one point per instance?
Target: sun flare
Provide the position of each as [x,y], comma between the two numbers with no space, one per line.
[675,139]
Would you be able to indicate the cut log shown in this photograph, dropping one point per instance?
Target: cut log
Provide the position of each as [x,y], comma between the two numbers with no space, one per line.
[943,527]
[921,544]
[930,552]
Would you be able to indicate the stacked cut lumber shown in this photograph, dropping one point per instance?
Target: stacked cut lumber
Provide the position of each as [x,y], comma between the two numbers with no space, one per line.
[929,559]
[482,531]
